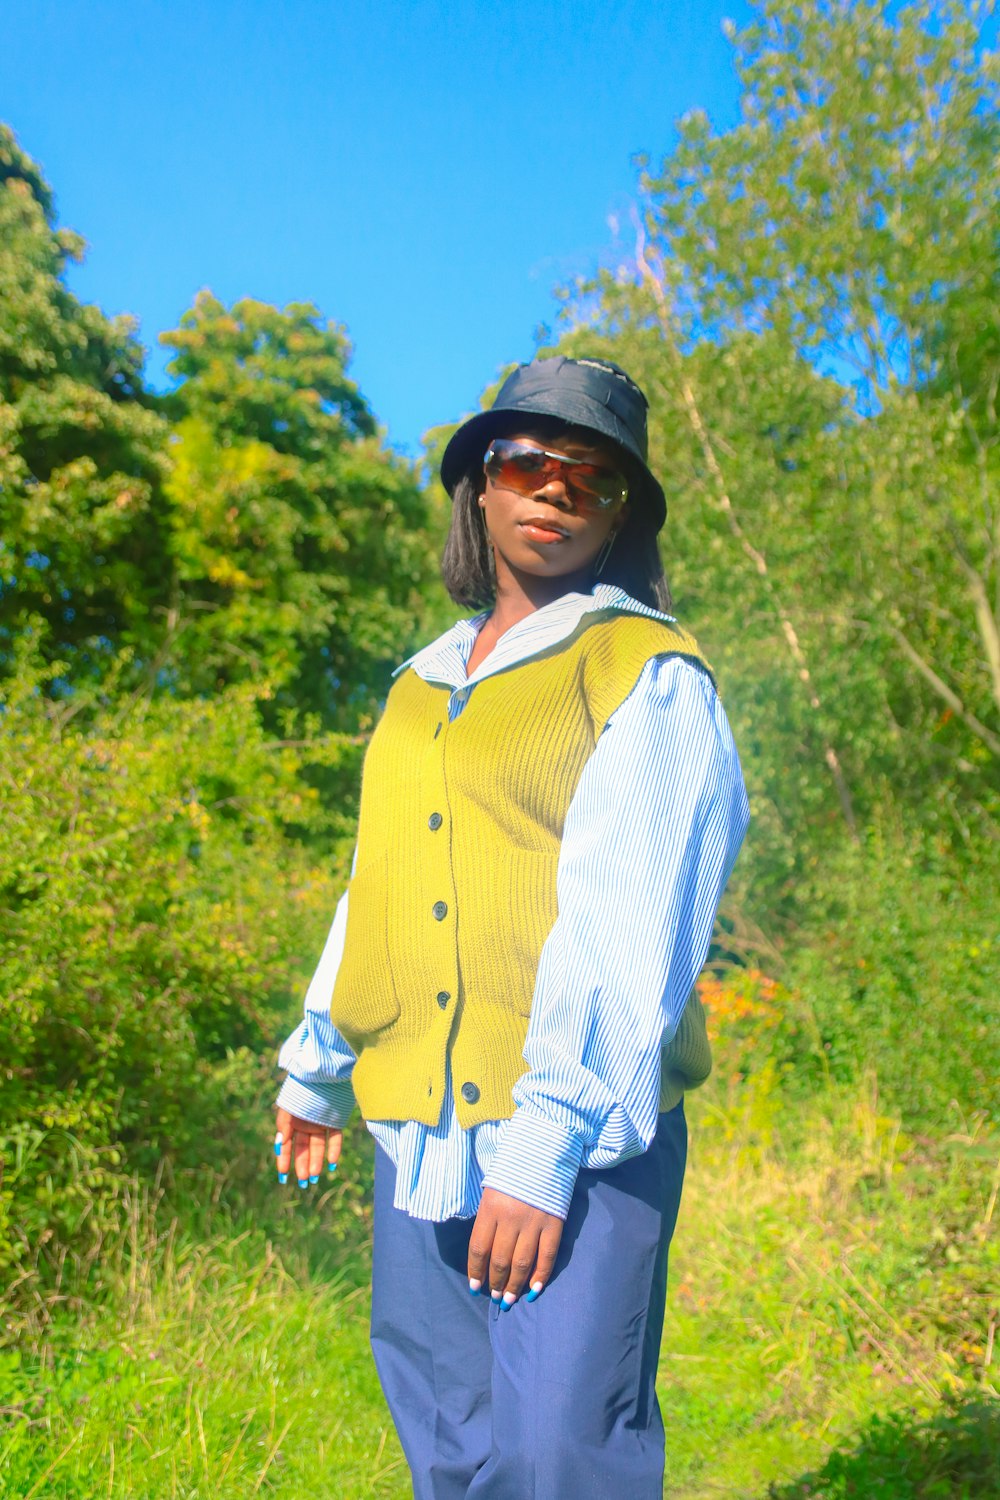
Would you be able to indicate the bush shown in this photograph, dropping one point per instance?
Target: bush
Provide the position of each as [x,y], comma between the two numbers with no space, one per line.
[892,978]
[953,1455]
[161,912]
[899,974]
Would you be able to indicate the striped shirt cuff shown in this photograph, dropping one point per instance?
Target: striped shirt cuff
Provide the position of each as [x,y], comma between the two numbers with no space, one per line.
[536,1161]
[322,1102]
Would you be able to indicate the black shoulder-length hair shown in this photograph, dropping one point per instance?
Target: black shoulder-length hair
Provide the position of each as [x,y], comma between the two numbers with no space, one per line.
[634,563]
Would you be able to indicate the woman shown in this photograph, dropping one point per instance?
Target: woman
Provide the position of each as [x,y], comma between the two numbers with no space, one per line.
[550,809]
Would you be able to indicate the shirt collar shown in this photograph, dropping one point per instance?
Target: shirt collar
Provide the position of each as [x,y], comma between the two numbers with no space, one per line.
[444,659]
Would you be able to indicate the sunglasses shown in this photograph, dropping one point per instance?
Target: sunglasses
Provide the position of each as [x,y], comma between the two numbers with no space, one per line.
[515,465]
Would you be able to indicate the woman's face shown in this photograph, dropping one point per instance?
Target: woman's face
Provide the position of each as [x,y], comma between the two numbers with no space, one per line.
[547,534]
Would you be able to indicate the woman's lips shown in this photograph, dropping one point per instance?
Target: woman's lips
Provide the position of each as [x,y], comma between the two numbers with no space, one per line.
[538,531]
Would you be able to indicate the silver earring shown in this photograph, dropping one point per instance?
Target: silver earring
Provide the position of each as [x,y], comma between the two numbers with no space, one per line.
[604,554]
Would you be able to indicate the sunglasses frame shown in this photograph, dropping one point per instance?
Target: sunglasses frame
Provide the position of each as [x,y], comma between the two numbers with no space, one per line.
[602,504]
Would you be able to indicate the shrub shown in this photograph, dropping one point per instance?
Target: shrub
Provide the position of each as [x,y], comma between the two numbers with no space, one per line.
[952,1455]
[161,910]
[899,972]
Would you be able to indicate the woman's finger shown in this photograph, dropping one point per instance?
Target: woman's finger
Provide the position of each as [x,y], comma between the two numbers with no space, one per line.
[501,1259]
[317,1154]
[480,1249]
[300,1151]
[334,1144]
[548,1248]
[522,1264]
[283,1143]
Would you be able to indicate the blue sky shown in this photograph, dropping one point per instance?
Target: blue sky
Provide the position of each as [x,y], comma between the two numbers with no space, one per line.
[425,172]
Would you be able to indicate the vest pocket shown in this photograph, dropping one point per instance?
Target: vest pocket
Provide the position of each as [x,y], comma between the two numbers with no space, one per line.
[364,997]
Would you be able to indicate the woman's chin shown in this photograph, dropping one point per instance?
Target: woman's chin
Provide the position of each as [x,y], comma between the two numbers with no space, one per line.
[546,561]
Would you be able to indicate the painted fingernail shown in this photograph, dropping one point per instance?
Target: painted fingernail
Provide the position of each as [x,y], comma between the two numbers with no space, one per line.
[277,1143]
[495,1296]
[331,1167]
[508,1301]
[303,1182]
[535,1293]
[314,1180]
[475,1286]
[282,1177]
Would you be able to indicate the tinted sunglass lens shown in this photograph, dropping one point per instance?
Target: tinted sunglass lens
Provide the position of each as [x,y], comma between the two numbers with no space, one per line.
[517,466]
[603,490]
[529,464]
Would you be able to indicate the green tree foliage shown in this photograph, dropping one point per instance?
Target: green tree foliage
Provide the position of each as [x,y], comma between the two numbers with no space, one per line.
[82,528]
[805,297]
[858,196]
[300,541]
[251,526]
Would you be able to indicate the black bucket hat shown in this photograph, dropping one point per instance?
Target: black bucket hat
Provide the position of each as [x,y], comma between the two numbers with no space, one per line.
[591,393]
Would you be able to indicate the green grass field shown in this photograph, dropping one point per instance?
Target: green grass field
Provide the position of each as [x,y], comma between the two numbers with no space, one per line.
[825,1268]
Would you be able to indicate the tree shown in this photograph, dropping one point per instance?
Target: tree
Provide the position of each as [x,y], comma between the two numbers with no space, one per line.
[300,540]
[840,534]
[82,525]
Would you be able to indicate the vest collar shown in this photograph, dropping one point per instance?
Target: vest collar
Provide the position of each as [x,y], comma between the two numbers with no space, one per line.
[444,659]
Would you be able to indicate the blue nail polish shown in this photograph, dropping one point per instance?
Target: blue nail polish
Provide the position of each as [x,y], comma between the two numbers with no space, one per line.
[303,1183]
[533,1295]
[474,1291]
[314,1180]
[331,1167]
[277,1148]
[282,1177]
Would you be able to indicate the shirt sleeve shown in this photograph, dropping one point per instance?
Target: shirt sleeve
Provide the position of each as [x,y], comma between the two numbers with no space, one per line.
[650,839]
[317,1059]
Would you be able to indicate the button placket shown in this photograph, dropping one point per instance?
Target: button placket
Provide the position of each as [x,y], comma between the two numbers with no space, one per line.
[437,872]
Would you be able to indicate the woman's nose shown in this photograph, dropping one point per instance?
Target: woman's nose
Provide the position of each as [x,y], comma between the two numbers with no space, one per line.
[556,493]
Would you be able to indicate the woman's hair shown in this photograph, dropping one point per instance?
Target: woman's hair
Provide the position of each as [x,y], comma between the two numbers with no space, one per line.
[633,564]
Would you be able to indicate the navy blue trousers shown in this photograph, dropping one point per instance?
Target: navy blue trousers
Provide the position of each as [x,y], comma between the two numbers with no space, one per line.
[555,1399]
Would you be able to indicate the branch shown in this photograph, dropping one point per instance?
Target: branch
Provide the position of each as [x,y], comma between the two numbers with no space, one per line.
[726,506]
[985,618]
[989,739]
[986,621]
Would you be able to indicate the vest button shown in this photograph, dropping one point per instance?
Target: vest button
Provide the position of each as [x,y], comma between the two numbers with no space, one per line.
[440,910]
[470,1093]
[434,822]
[443,997]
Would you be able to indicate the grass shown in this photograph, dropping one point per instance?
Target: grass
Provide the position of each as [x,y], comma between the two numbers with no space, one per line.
[219,1372]
[826,1268]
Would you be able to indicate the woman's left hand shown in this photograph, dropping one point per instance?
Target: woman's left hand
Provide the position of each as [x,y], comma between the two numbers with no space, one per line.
[512,1245]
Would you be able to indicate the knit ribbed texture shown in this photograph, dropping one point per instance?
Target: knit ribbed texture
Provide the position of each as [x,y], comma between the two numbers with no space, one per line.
[455,886]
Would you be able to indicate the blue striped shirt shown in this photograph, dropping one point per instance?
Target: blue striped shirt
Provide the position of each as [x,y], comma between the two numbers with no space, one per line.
[651,835]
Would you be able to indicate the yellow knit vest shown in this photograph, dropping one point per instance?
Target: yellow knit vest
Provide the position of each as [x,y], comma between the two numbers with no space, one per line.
[454,891]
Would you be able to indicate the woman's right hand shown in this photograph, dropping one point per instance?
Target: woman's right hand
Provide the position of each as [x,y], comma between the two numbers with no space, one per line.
[307,1144]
